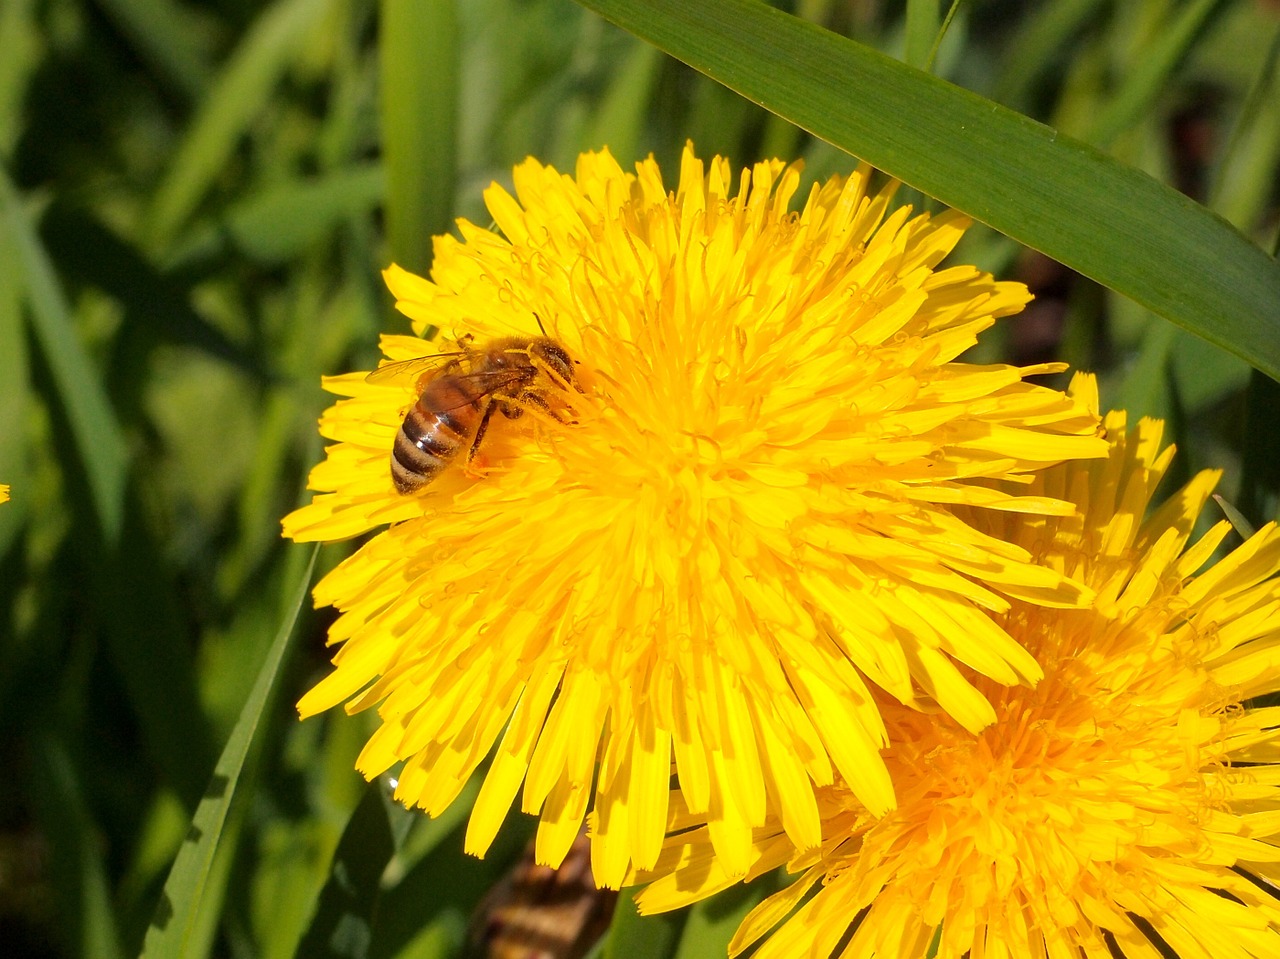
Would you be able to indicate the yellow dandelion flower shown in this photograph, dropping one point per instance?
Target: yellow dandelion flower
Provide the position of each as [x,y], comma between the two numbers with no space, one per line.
[750,514]
[1126,806]
[4,493]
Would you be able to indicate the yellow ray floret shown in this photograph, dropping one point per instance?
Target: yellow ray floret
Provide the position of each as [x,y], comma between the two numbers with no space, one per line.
[1128,806]
[743,538]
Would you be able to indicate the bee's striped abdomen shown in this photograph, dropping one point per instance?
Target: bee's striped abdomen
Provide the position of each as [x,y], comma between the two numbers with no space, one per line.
[435,431]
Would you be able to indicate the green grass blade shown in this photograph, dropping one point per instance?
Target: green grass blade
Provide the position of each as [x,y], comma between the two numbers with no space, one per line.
[923,20]
[1151,71]
[1108,221]
[711,924]
[1243,175]
[130,591]
[426,913]
[619,120]
[1043,35]
[418,46]
[342,926]
[237,97]
[632,936]
[1144,391]
[164,34]
[191,892]
[77,866]
[1259,496]
[23,45]
[14,388]
[281,222]
[157,306]
[98,441]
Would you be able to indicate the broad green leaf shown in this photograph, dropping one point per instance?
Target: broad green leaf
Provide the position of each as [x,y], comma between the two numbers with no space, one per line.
[1110,222]
[418,49]
[180,928]
[95,432]
[236,98]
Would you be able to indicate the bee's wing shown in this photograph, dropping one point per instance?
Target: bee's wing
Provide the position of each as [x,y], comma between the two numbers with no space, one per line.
[484,383]
[411,369]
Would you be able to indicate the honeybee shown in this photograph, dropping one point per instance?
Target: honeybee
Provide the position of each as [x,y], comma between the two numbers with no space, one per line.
[536,912]
[458,394]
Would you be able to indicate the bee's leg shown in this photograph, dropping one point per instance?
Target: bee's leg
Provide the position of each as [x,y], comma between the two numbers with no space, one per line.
[464,346]
[536,399]
[489,407]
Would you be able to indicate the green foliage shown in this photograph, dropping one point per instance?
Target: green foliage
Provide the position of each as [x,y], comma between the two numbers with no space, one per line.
[195,202]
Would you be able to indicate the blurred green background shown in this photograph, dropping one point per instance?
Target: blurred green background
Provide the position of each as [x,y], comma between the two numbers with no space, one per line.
[195,202]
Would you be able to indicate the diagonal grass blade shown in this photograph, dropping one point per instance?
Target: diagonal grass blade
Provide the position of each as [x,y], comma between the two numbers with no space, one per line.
[419,69]
[181,924]
[1108,221]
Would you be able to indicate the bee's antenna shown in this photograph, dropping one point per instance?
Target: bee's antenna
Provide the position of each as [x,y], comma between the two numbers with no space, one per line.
[540,326]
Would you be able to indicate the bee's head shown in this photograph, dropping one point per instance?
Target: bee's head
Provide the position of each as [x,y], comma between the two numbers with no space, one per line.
[555,358]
